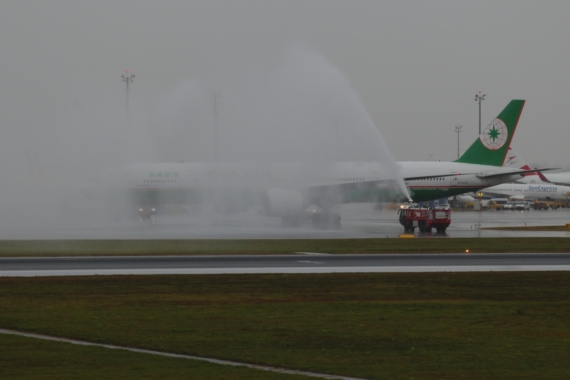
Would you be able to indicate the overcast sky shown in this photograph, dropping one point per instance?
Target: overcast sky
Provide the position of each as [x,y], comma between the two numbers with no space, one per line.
[415,67]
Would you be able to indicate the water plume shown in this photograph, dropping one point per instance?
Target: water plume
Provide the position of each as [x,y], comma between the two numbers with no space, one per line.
[303,110]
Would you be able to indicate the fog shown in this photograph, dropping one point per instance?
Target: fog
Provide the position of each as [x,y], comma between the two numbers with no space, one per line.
[301,109]
[304,109]
[414,68]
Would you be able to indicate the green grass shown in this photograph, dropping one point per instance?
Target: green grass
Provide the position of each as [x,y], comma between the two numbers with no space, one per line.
[28,358]
[277,246]
[511,325]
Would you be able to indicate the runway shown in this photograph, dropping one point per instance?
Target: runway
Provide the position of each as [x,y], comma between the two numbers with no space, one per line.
[300,263]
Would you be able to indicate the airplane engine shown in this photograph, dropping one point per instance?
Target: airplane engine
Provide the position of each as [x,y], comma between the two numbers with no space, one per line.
[282,202]
[462,199]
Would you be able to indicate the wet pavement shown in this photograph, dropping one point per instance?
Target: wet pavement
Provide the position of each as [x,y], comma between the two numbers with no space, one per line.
[358,221]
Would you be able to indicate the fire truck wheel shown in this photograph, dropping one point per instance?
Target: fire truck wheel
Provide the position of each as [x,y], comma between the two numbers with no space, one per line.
[422,226]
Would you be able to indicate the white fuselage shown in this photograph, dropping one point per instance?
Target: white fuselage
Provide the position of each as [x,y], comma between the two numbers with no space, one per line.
[248,175]
[445,178]
[456,178]
[529,191]
[562,179]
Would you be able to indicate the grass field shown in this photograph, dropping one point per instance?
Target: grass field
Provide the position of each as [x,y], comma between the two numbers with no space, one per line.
[277,246]
[511,325]
[28,358]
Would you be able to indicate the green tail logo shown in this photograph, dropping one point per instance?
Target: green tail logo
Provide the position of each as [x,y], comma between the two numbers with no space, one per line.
[492,145]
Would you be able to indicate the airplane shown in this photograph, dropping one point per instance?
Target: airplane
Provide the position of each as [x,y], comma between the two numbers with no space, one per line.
[286,189]
[534,185]
[479,167]
[525,191]
[514,160]
[280,189]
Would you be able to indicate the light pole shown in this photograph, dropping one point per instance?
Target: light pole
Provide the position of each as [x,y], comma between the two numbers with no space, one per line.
[458,130]
[127,77]
[478,98]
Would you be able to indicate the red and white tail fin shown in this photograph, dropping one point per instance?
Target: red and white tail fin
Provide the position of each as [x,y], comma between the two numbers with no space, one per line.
[513,160]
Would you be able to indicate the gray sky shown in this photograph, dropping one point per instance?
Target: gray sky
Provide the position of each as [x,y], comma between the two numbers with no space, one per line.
[414,66]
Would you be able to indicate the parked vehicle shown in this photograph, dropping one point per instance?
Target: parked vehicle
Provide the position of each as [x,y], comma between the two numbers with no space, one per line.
[521,206]
[497,203]
[558,204]
[509,206]
[540,205]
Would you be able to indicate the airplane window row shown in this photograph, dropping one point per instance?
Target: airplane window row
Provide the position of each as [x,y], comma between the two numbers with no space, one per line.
[431,179]
[159,180]
[340,179]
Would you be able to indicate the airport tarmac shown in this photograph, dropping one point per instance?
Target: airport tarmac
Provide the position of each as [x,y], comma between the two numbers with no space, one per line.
[300,263]
[359,220]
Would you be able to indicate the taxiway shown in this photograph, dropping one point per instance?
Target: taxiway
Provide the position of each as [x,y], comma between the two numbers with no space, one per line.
[359,220]
[301,263]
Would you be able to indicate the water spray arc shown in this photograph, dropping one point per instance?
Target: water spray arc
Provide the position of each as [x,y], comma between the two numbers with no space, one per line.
[215,99]
[294,137]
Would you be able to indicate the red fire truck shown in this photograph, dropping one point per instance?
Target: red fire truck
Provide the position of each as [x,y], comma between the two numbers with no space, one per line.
[425,218]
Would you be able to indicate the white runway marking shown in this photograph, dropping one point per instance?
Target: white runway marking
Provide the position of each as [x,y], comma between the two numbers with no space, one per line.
[379,269]
[151,352]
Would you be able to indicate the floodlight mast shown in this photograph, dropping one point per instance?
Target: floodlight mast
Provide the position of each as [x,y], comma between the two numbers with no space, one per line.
[458,130]
[127,77]
[478,98]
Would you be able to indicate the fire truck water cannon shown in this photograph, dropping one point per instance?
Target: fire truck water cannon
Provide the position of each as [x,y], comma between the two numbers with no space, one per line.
[425,218]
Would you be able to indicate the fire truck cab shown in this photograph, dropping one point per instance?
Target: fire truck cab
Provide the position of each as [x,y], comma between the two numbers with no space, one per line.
[425,218]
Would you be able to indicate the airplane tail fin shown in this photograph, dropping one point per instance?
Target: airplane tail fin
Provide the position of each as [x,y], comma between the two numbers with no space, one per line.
[513,160]
[491,146]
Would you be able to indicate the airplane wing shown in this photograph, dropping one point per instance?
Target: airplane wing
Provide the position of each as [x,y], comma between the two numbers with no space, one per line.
[492,175]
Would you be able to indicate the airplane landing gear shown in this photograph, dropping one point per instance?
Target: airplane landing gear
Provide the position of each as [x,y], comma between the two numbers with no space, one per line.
[290,221]
[326,220]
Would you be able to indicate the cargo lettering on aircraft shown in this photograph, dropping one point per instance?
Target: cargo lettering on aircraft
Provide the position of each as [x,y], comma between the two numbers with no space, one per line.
[542,189]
